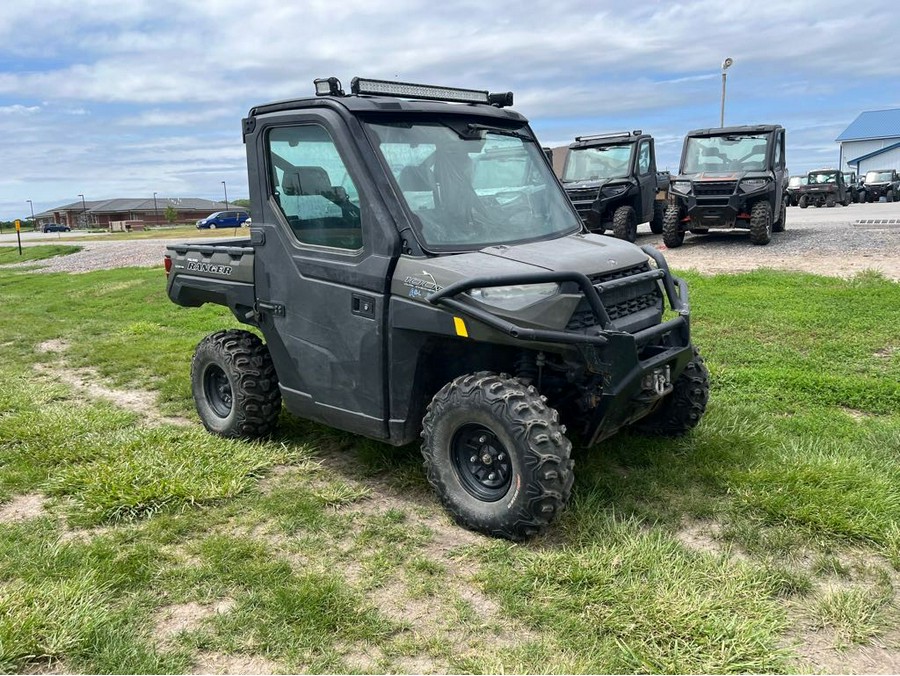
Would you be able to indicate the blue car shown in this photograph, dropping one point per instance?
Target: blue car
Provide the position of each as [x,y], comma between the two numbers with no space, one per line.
[55,227]
[223,219]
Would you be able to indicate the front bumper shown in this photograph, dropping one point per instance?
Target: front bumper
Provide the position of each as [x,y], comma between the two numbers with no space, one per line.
[625,361]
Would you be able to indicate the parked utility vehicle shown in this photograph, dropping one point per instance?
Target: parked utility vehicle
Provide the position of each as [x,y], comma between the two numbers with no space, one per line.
[882,183]
[415,268]
[824,187]
[612,181]
[730,177]
[792,191]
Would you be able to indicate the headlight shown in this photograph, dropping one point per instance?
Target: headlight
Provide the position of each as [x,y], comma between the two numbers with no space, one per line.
[514,297]
[684,187]
[614,190]
[751,184]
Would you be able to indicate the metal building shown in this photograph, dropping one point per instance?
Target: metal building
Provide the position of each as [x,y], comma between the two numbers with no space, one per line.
[872,141]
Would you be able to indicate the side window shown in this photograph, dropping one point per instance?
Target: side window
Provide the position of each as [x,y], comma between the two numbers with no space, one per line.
[644,158]
[313,188]
[779,152]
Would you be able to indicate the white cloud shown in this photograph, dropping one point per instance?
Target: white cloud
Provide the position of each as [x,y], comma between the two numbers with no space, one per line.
[114,79]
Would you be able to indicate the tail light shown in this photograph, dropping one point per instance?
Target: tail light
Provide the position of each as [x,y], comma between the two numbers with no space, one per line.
[167,261]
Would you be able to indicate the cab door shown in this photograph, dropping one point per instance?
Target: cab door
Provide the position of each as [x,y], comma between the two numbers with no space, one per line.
[646,176]
[322,268]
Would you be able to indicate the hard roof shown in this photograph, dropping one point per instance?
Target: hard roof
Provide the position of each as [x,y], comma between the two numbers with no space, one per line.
[746,129]
[873,124]
[389,104]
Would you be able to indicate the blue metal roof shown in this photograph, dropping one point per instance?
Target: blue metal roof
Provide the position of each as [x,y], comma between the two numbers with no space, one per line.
[873,124]
[874,153]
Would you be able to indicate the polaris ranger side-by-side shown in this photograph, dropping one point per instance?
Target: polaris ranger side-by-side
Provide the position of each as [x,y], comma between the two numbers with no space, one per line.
[882,183]
[416,269]
[824,188]
[730,177]
[612,181]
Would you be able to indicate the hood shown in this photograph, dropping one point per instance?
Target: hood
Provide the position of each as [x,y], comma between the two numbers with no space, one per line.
[585,253]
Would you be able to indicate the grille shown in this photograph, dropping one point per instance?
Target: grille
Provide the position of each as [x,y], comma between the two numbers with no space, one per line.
[583,319]
[642,296]
[714,188]
[583,194]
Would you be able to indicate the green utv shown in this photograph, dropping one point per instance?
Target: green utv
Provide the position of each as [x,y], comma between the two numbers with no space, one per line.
[416,270]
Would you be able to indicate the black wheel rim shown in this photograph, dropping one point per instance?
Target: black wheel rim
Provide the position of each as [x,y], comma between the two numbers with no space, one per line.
[217,389]
[482,462]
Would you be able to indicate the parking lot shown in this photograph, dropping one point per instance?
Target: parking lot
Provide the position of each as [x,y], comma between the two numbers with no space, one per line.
[818,240]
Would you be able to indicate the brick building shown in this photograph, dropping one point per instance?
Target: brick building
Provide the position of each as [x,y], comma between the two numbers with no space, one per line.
[99,214]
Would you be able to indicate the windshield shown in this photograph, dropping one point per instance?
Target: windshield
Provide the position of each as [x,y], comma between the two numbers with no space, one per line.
[603,162]
[473,187]
[797,181]
[733,152]
[822,177]
[878,176]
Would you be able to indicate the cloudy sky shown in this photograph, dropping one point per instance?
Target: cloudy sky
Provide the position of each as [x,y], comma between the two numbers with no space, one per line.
[125,98]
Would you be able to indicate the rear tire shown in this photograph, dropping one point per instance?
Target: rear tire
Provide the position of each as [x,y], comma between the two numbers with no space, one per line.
[659,215]
[625,224]
[234,385]
[761,222]
[683,408]
[673,235]
[497,455]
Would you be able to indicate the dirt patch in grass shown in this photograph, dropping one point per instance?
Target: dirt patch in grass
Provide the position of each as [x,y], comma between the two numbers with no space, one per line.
[175,619]
[22,508]
[87,381]
[55,346]
[817,653]
[705,536]
[220,663]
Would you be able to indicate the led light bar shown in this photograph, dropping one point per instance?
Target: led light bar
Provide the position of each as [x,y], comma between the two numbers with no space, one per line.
[328,86]
[408,90]
[618,134]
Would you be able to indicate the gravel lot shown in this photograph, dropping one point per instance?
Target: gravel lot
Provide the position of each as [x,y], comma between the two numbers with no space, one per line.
[819,240]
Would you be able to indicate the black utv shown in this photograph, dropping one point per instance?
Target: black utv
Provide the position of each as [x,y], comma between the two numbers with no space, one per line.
[882,183]
[824,187]
[730,177]
[417,272]
[792,191]
[613,183]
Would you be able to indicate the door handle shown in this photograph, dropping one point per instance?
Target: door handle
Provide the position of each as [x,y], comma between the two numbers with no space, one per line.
[361,305]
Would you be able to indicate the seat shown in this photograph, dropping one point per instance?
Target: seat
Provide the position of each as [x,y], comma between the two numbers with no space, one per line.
[306,181]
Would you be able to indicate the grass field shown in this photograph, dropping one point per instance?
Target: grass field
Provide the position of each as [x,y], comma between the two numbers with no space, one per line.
[10,254]
[169,232]
[132,541]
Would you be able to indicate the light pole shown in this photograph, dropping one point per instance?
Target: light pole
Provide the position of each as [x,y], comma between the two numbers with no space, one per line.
[726,64]
[83,211]
[225,188]
[33,223]
[155,211]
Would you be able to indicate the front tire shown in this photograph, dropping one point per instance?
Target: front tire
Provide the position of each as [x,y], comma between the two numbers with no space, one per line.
[497,455]
[804,202]
[683,408]
[761,222]
[673,235]
[625,224]
[234,385]
[831,201]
